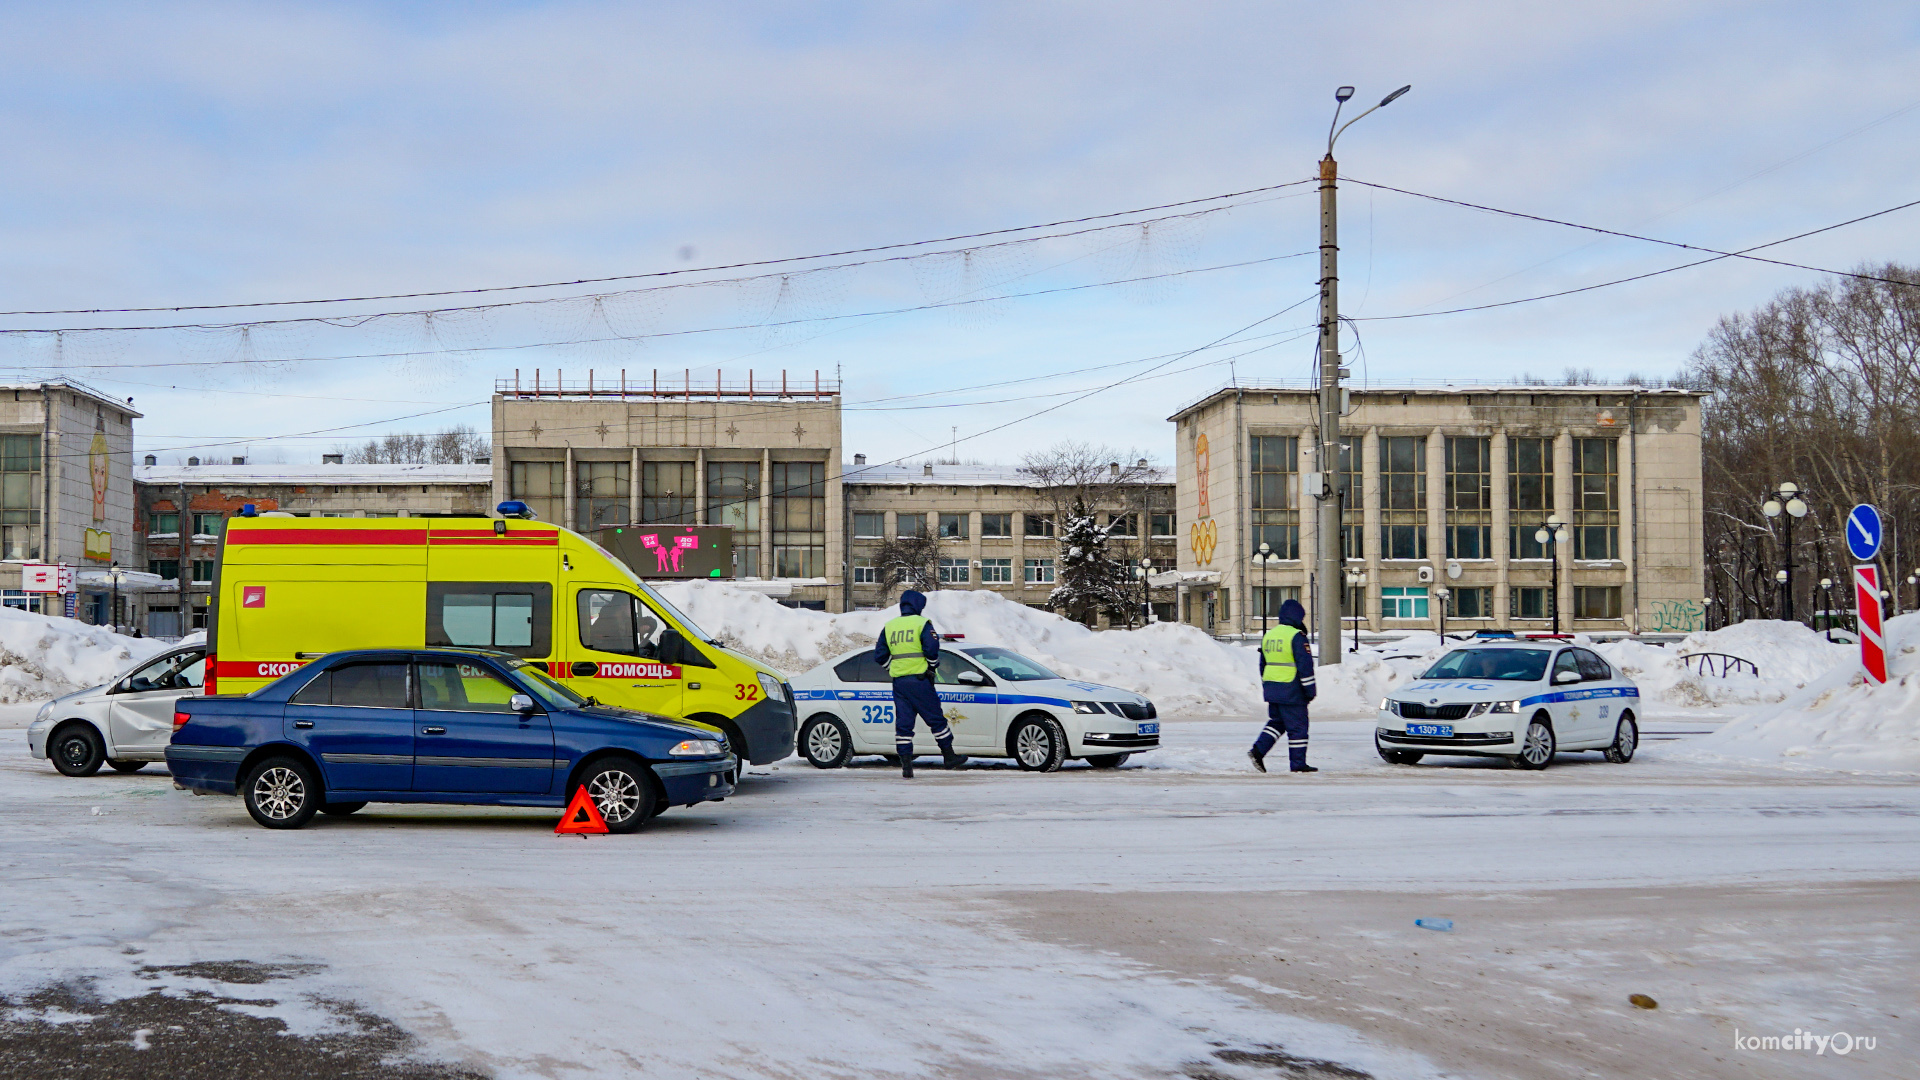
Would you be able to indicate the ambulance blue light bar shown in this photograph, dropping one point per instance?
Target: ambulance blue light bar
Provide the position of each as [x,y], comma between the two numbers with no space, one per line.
[514,508]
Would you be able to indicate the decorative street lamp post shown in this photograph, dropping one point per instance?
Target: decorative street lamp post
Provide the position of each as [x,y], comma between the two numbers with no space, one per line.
[1440,596]
[1551,538]
[1786,499]
[1826,605]
[1356,579]
[1260,559]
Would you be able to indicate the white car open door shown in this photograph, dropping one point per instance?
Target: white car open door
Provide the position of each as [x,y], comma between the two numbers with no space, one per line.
[140,706]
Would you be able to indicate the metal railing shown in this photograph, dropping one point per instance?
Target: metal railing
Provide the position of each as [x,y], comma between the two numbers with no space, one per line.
[1719,664]
[655,384]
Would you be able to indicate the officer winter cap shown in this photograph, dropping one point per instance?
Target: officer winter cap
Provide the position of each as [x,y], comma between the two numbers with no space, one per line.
[913,603]
[1291,613]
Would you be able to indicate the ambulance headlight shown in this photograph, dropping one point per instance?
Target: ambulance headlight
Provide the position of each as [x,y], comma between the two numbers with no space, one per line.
[1087,707]
[1505,706]
[696,748]
[772,688]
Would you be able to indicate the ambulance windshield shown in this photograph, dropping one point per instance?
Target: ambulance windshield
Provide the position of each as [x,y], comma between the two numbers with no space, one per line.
[660,604]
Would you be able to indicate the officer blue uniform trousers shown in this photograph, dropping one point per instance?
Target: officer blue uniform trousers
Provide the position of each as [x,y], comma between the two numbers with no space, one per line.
[913,695]
[1287,702]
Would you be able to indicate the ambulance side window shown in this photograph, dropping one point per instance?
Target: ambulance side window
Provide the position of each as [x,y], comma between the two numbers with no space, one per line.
[512,616]
[614,621]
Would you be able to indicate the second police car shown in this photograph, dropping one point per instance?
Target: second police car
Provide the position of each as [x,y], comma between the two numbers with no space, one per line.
[1522,700]
[999,703]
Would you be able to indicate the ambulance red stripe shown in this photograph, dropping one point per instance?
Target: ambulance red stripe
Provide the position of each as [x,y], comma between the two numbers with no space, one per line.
[255,669]
[327,536]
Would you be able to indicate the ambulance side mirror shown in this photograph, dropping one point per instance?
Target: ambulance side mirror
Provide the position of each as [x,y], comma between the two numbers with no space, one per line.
[672,646]
[521,703]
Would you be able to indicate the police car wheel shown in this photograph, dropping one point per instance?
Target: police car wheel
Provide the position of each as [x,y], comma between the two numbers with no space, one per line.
[1038,744]
[76,750]
[1626,739]
[1107,761]
[1536,750]
[1397,757]
[826,742]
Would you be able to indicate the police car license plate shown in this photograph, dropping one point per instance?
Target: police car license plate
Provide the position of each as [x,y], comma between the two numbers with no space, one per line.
[1444,731]
[1149,729]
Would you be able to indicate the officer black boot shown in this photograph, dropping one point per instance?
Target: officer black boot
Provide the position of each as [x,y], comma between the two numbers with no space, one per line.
[906,766]
[951,759]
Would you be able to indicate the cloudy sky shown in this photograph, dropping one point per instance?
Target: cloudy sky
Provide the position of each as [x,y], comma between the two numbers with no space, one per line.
[200,154]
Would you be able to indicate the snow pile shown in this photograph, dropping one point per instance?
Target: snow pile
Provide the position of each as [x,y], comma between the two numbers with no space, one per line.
[1179,668]
[45,657]
[1839,720]
[1788,655]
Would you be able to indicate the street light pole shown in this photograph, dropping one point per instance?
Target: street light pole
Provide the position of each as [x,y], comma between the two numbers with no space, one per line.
[1330,372]
[1261,558]
[1786,500]
[1551,538]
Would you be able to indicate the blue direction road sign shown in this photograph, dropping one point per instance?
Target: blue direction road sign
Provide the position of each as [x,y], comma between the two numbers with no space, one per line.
[1864,532]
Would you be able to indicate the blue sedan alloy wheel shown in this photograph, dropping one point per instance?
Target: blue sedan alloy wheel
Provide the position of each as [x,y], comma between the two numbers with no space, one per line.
[281,793]
[623,792]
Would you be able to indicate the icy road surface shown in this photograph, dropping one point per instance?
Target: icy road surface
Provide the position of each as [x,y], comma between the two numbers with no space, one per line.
[1182,917]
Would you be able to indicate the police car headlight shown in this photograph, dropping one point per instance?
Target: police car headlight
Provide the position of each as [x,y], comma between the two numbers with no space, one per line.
[1087,707]
[696,748]
[772,688]
[1505,706]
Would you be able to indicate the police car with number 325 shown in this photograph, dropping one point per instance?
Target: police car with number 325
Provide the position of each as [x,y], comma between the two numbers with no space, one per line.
[1522,700]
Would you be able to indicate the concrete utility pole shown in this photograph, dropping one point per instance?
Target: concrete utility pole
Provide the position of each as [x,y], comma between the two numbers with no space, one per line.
[1331,568]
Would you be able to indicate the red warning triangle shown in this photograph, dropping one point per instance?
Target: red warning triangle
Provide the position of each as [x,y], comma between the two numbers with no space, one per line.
[582,815]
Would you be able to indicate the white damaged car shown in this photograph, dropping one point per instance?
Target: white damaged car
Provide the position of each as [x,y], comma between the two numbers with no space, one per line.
[123,724]
[1521,700]
[999,704]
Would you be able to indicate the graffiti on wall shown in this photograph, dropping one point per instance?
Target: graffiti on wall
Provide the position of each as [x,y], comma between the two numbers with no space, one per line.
[1676,617]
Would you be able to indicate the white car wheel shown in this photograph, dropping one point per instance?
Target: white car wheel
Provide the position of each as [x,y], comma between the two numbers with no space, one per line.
[1536,752]
[1039,745]
[1626,739]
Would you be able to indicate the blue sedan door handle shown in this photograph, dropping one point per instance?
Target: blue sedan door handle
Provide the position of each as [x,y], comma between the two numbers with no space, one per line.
[433,731]
[303,723]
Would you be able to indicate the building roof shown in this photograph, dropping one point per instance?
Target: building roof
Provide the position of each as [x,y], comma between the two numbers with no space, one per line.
[1433,390]
[307,475]
[74,386]
[952,476]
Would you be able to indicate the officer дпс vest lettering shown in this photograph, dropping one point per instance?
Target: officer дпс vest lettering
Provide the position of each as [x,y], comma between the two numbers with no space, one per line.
[902,635]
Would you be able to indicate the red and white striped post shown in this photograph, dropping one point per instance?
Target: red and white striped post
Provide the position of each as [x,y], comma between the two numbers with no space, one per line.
[1873,648]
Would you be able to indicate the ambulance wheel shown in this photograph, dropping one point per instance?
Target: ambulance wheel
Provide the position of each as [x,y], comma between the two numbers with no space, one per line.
[623,792]
[826,742]
[281,793]
[1107,761]
[76,750]
[1536,751]
[341,809]
[1626,738]
[1038,744]
[127,766]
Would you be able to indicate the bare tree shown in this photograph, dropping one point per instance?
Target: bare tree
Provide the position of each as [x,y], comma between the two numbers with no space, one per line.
[908,562]
[459,445]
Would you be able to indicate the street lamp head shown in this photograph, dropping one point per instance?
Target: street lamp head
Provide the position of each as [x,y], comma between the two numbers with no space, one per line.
[1343,93]
[1554,519]
[1541,536]
[1826,583]
[1780,576]
[1388,100]
[1789,488]
[1263,549]
[1796,508]
[1771,508]
[1560,536]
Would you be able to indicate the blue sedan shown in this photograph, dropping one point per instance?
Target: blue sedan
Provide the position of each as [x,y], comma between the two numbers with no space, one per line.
[438,726]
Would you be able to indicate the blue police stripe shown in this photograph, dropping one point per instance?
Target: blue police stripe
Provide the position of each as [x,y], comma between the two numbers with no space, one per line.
[1582,695]
[887,695]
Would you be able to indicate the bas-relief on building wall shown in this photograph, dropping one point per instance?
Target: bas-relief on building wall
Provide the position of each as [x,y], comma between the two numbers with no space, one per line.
[1203,536]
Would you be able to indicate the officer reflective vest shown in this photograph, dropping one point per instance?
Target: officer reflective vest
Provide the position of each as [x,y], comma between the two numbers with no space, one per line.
[1276,655]
[902,635]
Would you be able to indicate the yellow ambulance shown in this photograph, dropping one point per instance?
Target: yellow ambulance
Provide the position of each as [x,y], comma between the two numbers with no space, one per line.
[291,589]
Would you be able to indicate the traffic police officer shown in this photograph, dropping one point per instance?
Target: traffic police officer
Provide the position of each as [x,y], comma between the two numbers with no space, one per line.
[1286,681]
[911,651]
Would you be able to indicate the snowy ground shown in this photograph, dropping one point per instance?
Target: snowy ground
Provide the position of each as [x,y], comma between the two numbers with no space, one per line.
[1179,918]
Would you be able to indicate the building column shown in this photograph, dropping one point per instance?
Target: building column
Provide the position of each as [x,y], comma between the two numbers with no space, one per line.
[1563,505]
[700,485]
[567,479]
[974,549]
[1368,605]
[633,489]
[1629,532]
[766,514]
[1437,523]
[1502,529]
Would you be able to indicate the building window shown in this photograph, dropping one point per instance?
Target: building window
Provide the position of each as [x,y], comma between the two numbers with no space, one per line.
[869,526]
[667,490]
[20,488]
[1276,496]
[169,569]
[996,571]
[996,525]
[1039,524]
[864,572]
[954,572]
[1039,571]
[1529,602]
[1529,496]
[1268,598]
[799,519]
[163,524]
[953,526]
[1596,501]
[733,499]
[600,494]
[1469,498]
[910,525]
[1409,602]
[1123,525]
[17,599]
[1403,497]
[1163,528]
[539,484]
[1348,485]
[1596,601]
[1476,603]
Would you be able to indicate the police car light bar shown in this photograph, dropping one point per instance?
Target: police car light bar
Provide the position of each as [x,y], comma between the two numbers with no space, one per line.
[953,637]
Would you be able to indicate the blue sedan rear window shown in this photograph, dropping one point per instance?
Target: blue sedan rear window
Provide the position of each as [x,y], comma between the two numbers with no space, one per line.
[1507,665]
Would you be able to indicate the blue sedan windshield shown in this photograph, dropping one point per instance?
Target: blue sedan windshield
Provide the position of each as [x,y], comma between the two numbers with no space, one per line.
[1507,665]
